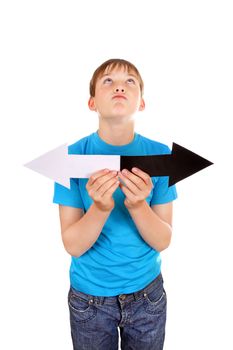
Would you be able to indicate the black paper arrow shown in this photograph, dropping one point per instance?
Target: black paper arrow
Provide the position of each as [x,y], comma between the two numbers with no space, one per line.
[178,165]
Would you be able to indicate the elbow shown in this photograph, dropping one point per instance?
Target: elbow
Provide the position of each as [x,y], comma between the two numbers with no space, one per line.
[69,248]
[164,244]
[73,254]
[71,251]
[162,247]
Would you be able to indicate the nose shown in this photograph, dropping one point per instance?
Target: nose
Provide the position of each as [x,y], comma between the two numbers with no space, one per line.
[119,90]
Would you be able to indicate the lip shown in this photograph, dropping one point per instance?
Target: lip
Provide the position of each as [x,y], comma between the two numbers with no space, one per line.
[119,96]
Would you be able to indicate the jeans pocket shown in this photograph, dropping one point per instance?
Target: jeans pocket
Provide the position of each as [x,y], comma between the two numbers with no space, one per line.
[81,310]
[155,301]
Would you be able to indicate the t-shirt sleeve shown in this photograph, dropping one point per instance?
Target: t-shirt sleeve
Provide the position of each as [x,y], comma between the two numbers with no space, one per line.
[70,197]
[162,193]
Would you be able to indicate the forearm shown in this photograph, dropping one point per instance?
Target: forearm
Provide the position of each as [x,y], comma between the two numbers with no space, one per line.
[81,236]
[155,231]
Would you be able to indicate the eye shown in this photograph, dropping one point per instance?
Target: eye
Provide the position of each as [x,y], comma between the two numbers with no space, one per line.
[107,81]
[131,81]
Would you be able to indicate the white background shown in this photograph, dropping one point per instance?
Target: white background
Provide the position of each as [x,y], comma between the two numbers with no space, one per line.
[49,50]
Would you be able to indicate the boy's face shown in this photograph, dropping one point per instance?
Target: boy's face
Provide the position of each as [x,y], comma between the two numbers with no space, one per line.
[117,94]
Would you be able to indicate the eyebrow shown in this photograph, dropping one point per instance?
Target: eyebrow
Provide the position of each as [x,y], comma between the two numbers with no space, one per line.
[129,75]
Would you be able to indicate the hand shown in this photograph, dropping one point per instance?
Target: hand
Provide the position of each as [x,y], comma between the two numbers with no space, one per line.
[138,186]
[101,186]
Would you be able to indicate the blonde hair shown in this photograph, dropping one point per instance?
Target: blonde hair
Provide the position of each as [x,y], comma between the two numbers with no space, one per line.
[111,64]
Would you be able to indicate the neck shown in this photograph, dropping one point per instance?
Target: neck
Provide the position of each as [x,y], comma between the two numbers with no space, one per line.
[118,134]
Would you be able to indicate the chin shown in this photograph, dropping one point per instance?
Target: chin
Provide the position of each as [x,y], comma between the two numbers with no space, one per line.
[121,113]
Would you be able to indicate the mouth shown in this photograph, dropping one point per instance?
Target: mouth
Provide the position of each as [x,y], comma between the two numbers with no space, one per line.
[119,96]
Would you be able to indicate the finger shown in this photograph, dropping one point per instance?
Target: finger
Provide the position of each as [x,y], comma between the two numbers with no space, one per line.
[129,184]
[96,175]
[96,192]
[142,174]
[104,189]
[127,193]
[112,188]
[98,179]
[134,180]
[103,179]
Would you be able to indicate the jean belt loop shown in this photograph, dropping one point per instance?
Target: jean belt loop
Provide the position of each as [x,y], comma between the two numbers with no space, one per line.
[101,299]
[138,295]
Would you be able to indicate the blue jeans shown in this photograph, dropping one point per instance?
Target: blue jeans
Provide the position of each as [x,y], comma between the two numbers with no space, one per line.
[140,316]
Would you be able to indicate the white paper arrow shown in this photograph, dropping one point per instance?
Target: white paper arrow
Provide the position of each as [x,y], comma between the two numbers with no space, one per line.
[60,166]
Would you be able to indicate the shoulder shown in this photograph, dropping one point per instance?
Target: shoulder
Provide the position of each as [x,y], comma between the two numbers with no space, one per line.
[155,146]
[79,146]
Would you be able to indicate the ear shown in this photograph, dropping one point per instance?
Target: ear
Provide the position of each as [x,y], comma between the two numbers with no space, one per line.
[91,104]
[142,105]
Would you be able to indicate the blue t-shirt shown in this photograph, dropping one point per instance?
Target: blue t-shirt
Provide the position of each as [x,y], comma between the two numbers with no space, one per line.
[120,261]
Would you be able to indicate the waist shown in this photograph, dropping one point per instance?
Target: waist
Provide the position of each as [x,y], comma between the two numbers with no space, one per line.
[156,283]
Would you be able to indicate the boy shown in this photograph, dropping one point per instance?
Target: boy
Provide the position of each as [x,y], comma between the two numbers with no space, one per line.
[115,224]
